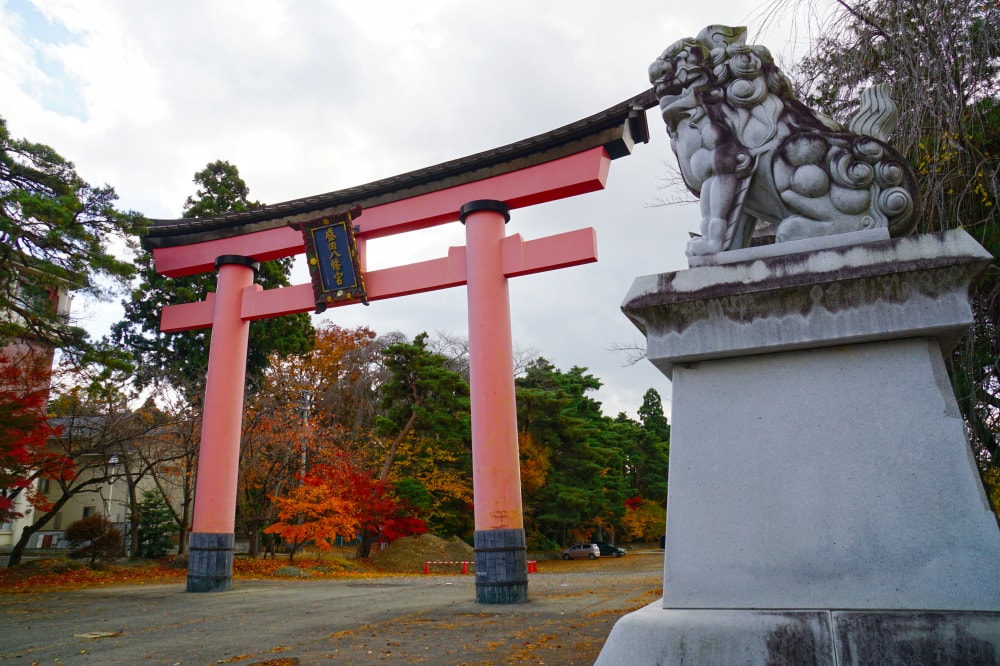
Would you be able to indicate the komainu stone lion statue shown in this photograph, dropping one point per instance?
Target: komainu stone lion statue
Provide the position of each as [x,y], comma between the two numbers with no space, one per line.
[751,151]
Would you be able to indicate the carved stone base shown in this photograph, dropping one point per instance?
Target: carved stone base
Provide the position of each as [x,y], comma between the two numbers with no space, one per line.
[654,635]
[501,567]
[210,562]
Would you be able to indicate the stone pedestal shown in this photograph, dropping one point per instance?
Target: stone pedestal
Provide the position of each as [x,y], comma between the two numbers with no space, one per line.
[824,506]
[210,562]
[501,566]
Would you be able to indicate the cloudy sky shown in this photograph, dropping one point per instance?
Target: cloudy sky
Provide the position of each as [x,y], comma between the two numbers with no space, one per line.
[311,96]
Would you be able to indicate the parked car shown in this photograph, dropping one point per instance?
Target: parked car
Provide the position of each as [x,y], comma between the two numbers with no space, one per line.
[607,550]
[581,550]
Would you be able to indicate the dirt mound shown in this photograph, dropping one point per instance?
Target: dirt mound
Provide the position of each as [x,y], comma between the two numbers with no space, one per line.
[408,555]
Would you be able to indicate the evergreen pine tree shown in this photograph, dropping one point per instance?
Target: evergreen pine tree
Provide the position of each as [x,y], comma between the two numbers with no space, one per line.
[156,525]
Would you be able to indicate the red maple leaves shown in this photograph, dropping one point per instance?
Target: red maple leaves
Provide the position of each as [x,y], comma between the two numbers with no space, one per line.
[25,430]
[340,499]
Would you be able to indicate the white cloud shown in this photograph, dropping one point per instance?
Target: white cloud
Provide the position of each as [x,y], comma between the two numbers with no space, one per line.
[314,96]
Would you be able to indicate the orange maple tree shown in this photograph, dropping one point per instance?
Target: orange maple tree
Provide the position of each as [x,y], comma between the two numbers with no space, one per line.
[278,443]
[309,409]
[315,511]
[336,380]
[341,499]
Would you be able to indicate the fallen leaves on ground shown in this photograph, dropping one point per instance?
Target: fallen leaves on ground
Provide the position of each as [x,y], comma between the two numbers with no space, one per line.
[51,575]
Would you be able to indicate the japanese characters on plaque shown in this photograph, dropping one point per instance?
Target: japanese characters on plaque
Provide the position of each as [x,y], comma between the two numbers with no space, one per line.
[332,254]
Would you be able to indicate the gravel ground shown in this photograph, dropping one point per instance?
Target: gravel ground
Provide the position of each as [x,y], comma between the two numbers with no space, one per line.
[389,619]
[572,608]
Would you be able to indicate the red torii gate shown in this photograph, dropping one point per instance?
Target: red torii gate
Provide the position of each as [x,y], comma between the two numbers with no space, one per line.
[480,191]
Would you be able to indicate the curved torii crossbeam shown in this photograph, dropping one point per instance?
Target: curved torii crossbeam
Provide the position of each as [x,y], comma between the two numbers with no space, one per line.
[479,190]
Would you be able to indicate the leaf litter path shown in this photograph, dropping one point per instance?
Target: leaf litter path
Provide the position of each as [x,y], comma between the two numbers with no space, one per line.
[392,619]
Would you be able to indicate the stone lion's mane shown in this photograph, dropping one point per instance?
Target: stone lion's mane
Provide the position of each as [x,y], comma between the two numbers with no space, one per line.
[818,167]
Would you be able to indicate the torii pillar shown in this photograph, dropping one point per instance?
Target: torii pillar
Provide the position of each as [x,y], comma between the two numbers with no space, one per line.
[210,547]
[501,561]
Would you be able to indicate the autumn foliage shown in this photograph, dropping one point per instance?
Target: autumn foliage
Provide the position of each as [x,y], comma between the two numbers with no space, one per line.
[340,500]
[25,430]
[48,575]
[383,516]
[315,511]
[644,519]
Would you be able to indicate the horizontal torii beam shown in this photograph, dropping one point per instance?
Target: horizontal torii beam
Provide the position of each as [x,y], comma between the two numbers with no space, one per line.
[520,257]
[568,176]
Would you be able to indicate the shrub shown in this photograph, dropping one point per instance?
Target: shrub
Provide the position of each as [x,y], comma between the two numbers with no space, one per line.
[94,537]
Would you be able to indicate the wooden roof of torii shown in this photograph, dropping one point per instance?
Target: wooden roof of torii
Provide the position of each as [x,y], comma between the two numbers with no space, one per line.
[616,129]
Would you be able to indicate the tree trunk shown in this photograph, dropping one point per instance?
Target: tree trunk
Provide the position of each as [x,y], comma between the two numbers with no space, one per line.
[252,536]
[390,456]
[187,496]
[365,544]
[182,528]
[133,507]
[18,551]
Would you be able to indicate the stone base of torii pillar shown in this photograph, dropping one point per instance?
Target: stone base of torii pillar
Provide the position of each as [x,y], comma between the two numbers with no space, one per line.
[824,506]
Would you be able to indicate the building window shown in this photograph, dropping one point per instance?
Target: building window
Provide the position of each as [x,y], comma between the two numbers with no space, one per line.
[88,511]
[33,297]
[43,485]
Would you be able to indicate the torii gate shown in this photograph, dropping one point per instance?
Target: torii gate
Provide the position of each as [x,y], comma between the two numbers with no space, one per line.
[479,190]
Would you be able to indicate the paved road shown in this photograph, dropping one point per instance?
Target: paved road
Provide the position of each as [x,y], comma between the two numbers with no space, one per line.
[430,619]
